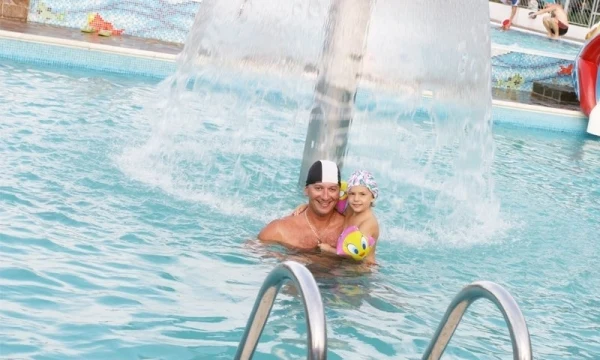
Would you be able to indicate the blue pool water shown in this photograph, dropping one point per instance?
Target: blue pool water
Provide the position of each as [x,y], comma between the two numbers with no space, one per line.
[129,235]
[527,41]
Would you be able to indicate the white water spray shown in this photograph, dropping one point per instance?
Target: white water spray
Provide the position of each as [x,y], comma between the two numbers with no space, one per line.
[228,127]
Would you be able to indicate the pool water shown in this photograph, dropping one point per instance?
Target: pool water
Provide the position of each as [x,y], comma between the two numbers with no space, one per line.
[129,235]
[520,40]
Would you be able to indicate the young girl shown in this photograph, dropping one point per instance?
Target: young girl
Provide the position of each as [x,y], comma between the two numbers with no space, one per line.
[359,216]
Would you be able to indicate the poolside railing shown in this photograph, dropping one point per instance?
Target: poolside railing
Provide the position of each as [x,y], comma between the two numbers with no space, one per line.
[310,295]
[583,12]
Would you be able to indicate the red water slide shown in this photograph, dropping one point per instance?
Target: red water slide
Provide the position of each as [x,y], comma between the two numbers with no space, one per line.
[587,83]
[587,72]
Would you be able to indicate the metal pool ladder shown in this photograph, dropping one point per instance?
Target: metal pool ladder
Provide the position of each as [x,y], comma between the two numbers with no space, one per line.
[313,307]
[519,335]
[315,314]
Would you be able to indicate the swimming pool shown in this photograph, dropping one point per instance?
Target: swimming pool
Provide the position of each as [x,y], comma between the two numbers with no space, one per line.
[522,40]
[124,236]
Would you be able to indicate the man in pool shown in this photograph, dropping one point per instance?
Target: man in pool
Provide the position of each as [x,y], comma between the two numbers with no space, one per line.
[513,11]
[320,223]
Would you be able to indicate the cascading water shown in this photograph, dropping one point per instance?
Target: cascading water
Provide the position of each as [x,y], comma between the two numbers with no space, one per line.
[228,128]
[440,168]
[240,96]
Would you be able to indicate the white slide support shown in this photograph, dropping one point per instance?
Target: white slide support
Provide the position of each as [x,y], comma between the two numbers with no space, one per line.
[594,121]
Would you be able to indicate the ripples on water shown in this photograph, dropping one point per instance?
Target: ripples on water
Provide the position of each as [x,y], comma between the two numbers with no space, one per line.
[125,237]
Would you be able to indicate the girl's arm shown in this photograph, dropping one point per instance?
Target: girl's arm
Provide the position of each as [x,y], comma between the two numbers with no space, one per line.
[370,228]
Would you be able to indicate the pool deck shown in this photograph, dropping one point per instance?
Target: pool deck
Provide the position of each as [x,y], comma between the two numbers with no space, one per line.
[167,50]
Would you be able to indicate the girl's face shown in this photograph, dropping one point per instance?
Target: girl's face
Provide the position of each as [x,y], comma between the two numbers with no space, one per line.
[360,198]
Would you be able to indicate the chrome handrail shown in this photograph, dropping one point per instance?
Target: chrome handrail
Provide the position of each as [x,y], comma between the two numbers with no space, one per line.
[517,327]
[313,307]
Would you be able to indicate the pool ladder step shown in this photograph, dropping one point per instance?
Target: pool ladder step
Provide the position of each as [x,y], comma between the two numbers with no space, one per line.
[317,329]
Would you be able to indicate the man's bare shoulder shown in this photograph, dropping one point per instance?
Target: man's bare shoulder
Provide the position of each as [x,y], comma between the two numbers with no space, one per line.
[274,231]
[271,231]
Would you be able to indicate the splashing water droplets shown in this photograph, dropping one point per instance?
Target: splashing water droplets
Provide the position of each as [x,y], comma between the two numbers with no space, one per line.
[227,129]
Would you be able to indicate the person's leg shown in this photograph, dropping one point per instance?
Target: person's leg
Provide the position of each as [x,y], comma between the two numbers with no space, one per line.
[546,21]
[554,28]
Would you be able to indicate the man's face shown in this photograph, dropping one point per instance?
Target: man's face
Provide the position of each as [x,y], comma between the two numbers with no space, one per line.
[322,197]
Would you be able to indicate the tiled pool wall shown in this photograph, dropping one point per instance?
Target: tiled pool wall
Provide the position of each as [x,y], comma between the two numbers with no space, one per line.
[518,69]
[166,20]
[170,20]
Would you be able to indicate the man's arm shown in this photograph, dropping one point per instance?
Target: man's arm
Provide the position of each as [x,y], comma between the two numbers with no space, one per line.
[547,9]
[513,12]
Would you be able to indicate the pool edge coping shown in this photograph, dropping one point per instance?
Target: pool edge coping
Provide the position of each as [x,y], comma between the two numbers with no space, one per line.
[538,108]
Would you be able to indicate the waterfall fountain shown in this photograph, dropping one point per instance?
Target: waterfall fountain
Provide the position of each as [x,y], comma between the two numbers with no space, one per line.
[414,66]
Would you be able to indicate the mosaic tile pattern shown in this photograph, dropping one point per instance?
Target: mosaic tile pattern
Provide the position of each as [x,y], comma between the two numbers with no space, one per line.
[167,20]
[170,20]
[84,59]
[517,70]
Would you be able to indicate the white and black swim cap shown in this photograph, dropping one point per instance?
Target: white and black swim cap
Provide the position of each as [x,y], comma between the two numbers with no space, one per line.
[323,171]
